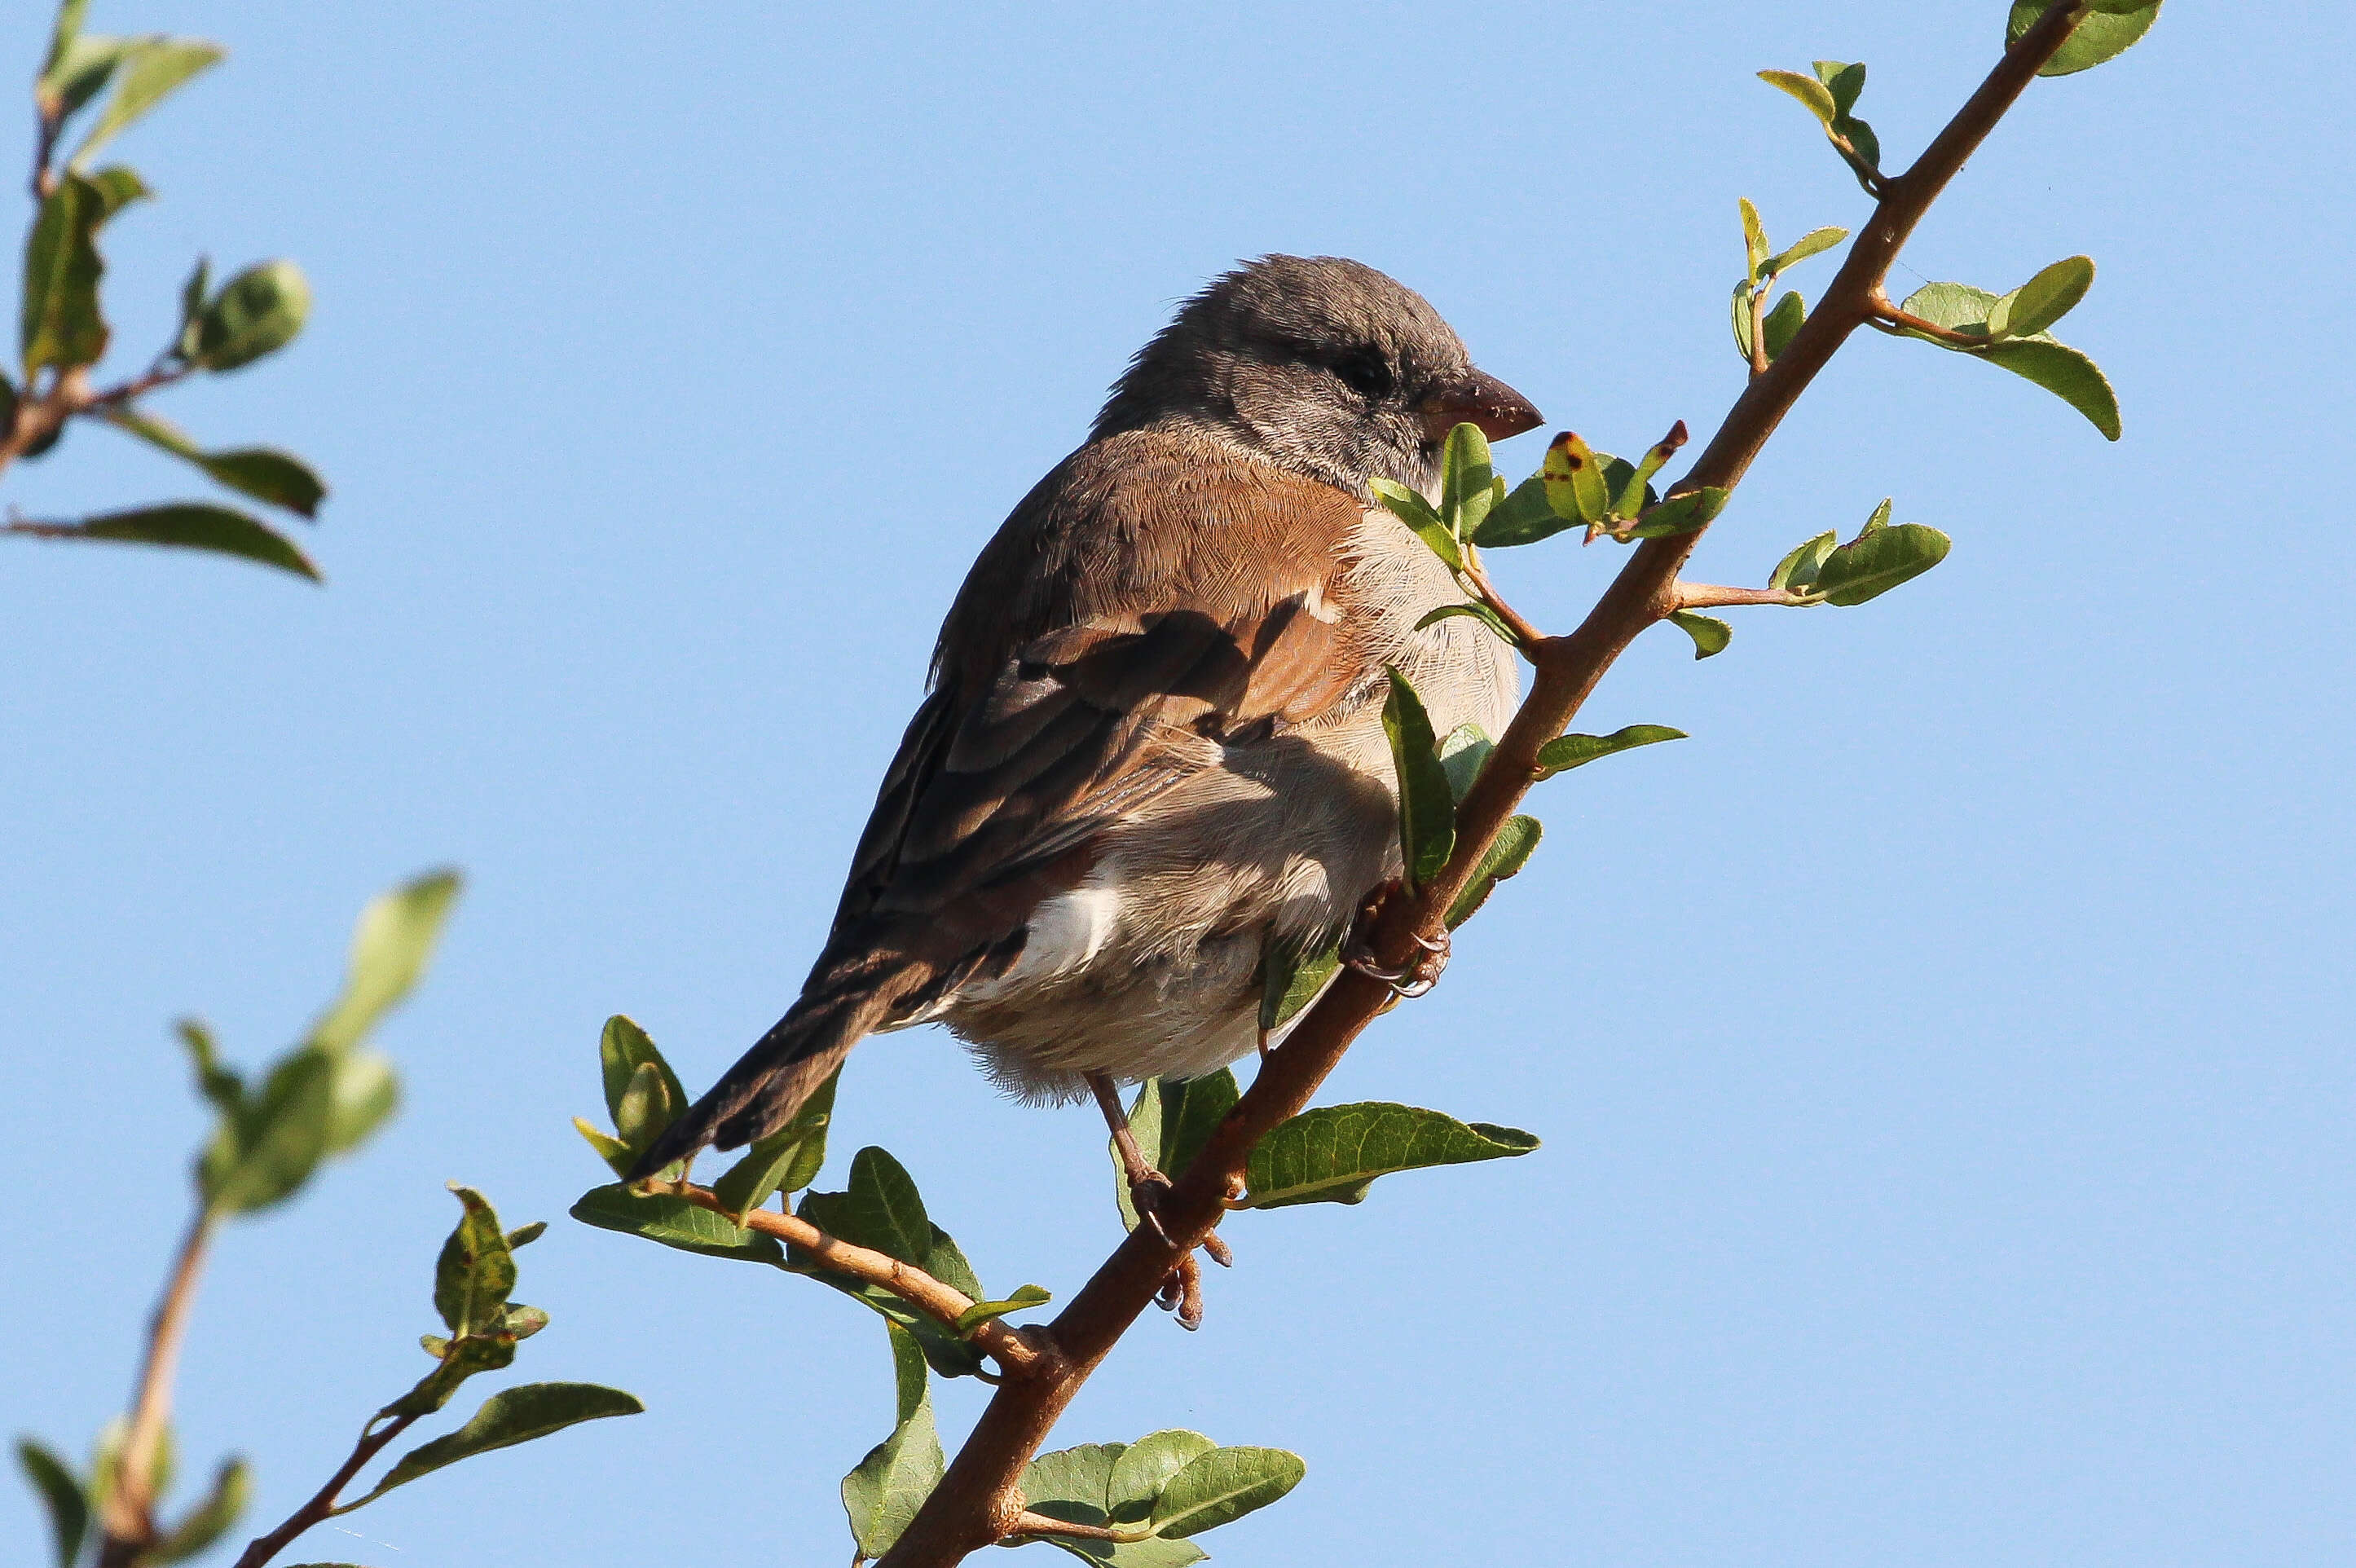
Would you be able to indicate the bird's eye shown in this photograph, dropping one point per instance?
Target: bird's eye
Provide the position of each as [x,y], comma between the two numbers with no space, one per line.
[1367,373]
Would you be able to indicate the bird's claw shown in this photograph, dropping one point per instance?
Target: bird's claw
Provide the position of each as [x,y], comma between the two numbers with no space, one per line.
[1410,980]
[1182,1288]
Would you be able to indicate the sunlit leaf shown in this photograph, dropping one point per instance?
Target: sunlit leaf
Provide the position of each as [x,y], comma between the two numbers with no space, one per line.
[1878,561]
[1798,570]
[1332,1154]
[475,1270]
[366,1092]
[1784,322]
[1709,634]
[1467,491]
[884,1493]
[264,473]
[1755,233]
[265,1151]
[2043,300]
[1681,514]
[150,68]
[221,1508]
[1566,752]
[1426,813]
[1223,1485]
[675,1223]
[1815,241]
[390,948]
[1846,82]
[1524,517]
[1473,610]
[258,312]
[982,1312]
[1506,854]
[787,1160]
[1575,483]
[1813,95]
[2109,29]
[1412,509]
[508,1417]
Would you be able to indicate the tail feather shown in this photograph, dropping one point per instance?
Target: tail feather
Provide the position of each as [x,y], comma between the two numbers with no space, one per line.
[785,1067]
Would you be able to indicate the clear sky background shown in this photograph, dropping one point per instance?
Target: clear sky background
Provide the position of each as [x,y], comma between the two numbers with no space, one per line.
[1943,1056]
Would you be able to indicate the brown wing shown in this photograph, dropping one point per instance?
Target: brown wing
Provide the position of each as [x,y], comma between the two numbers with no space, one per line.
[1155,596]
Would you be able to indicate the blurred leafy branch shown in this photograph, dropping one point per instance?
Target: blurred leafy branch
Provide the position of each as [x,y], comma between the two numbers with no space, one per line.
[63,333]
[322,1099]
[1230,1148]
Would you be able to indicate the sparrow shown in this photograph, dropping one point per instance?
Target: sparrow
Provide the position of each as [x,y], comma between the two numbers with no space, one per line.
[1152,749]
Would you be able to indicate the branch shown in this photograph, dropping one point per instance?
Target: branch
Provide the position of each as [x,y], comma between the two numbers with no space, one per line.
[1887,318]
[1709,595]
[130,1522]
[1016,1352]
[262,1548]
[978,1500]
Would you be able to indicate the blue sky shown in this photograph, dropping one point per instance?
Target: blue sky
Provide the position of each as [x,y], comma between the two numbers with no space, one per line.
[1942,1057]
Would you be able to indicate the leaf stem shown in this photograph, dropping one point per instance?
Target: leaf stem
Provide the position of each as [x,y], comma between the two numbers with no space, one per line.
[130,1522]
[978,1499]
[1711,595]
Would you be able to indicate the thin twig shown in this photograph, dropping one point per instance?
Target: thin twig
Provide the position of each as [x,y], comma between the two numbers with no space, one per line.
[262,1548]
[1759,360]
[978,1500]
[1711,595]
[1887,317]
[130,1522]
[1029,1523]
[1527,635]
[1022,1353]
[1875,183]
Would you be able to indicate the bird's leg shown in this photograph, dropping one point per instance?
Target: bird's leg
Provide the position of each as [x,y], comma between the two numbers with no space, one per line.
[1182,1290]
[1410,979]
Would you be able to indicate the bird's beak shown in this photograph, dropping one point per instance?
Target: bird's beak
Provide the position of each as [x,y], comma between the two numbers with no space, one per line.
[1479,399]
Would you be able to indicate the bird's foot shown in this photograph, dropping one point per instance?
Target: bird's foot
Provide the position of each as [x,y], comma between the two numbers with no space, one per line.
[1182,1288]
[1411,978]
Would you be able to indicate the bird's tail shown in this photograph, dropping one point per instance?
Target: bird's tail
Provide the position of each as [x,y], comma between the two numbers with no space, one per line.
[786,1066]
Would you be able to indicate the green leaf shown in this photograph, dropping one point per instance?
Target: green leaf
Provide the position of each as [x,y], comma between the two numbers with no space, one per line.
[1462,754]
[365,1092]
[2066,373]
[884,1493]
[788,1159]
[882,1210]
[61,1495]
[1755,233]
[222,1506]
[622,1049]
[1783,323]
[60,323]
[258,312]
[1711,635]
[1334,1153]
[1958,306]
[117,188]
[262,472]
[521,1322]
[1072,1484]
[2043,300]
[1223,1485]
[192,306]
[2109,29]
[266,1150]
[1876,561]
[1524,517]
[1798,570]
[1473,610]
[390,946]
[1566,752]
[1813,94]
[78,67]
[610,1149]
[1412,509]
[1145,1467]
[151,69]
[982,1312]
[1846,82]
[1575,483]
[1744,291]
[525,1235]
[1632,491]
[1681,514]
[1815,241]
[675,1223]
[1427,814]
[219,1085]
[508,1417]
[647,1110]
[1506,854]
[1467,486]
[1289,981]
[476,1271]
[190,525]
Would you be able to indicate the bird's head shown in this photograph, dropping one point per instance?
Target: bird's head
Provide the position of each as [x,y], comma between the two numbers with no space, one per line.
[1322,364]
